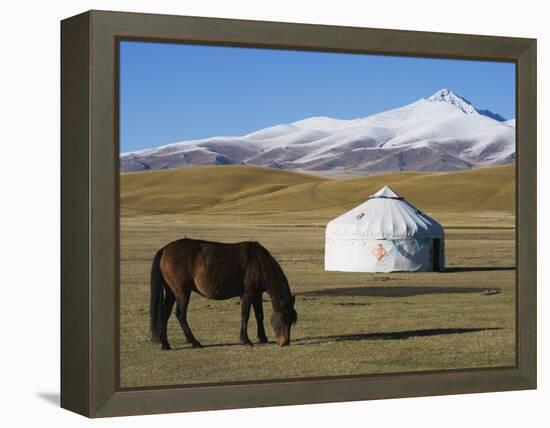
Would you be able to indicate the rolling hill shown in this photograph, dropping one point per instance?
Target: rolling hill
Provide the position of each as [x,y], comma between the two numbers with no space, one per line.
[256,190]
[443,132]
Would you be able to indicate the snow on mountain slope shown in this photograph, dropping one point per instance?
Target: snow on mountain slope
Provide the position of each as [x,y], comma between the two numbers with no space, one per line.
[443,132]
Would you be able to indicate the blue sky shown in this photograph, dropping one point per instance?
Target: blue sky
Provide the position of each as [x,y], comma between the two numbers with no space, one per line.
[174,92]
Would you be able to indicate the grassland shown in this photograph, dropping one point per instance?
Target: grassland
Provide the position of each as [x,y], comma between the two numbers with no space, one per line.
[349,323]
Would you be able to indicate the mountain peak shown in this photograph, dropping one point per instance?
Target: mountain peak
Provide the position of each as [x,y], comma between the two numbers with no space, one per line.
[448,96]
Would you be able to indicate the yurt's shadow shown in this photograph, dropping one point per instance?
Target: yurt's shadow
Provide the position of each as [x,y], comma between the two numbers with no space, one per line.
[383,291]
[396,335]
[479,269]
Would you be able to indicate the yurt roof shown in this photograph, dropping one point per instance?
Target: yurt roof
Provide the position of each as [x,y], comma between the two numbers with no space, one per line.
[385,215]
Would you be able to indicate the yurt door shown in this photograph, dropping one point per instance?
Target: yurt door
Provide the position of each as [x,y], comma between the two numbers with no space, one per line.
[437,255]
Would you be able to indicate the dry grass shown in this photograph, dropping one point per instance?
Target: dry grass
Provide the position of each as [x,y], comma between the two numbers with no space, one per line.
[364,323]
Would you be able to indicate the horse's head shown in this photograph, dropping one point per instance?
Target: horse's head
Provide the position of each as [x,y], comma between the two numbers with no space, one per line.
[282,322]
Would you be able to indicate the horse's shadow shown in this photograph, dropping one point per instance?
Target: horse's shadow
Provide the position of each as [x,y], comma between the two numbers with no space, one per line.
[223,345]
[397,335]
[393,335]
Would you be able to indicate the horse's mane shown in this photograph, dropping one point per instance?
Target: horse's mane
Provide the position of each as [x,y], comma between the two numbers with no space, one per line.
[273,278]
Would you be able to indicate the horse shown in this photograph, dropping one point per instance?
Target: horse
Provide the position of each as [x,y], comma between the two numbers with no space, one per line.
[219,271]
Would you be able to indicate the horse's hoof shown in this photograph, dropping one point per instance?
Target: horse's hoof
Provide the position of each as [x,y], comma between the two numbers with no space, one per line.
[263,340]
[197,345]
[246,342]
[166,347]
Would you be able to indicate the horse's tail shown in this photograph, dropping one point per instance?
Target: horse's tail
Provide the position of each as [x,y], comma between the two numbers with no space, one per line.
[156,312]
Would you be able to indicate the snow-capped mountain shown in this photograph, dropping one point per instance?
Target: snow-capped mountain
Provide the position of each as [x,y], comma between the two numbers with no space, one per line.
[443,132]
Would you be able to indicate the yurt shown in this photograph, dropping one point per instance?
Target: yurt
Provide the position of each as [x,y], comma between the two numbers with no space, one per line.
[384,234]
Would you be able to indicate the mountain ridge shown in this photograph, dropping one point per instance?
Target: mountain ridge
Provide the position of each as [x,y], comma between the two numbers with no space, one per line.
[443,132]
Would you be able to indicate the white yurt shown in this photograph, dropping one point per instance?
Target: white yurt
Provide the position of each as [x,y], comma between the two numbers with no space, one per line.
[384,234]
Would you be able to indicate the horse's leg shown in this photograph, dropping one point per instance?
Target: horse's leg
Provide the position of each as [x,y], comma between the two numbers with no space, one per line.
[181,314]
[167,311]
[259,312]
[245,314]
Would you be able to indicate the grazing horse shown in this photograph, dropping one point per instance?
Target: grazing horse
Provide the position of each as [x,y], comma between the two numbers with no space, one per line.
[219,271]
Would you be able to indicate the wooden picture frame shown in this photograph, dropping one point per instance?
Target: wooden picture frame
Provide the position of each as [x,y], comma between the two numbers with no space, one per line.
[89,209]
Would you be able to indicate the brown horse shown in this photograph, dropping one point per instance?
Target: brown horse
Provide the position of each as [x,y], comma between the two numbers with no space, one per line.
[219,271]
